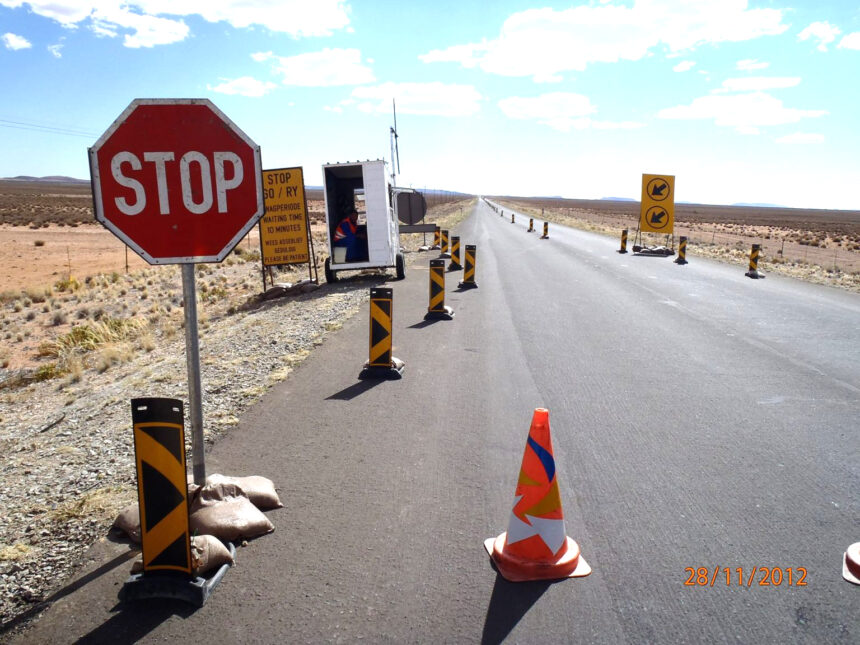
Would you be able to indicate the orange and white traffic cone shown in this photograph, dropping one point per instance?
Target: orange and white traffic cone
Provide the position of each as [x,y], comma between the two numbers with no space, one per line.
[536,546]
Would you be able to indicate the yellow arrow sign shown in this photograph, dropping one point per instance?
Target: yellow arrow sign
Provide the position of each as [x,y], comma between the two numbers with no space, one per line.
[657,209]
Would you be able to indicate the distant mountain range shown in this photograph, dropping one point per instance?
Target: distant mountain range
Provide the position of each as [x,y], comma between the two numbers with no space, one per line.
[55,179]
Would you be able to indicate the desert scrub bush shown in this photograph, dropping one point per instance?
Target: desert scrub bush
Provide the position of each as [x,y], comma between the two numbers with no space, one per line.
[69,284]
[38,295]
[39,243]
[47,372]
[113,354]
[58,319]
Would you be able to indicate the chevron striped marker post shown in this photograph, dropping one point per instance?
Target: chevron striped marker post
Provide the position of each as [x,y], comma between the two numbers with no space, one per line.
[468,281]
[455,254]
[444,253]
[536,546]
[753,270]
[437,239]
[545,235]
[381,364]
[162,490]
[531,225]
[682,251]
[623,248]
[513,218]
[437,309]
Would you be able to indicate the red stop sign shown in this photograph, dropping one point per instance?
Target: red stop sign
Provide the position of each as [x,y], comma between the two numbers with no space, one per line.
[176,180]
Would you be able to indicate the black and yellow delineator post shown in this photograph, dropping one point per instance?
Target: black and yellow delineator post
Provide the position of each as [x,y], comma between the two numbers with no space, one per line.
[623,248]
[753,270]
[531,225]
[162,489]
[444,253]
[437,309]
[437,239]
[455,255]
[381,364]
[513,217]
[468,281]
[682,251]
[545,235]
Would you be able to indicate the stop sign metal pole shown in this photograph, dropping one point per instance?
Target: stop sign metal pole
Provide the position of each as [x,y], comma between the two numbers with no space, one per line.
[192,359]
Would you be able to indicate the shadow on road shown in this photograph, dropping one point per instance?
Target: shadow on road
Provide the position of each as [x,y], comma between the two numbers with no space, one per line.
[135,620]
[354,390]
[68,589]
[425,323]
[508,604]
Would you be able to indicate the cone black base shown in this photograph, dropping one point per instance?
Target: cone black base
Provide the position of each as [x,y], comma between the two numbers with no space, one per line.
[755,275]
[681,261]
[392,373]
[455,267]
[621,251]
[467,285]
[444,256]
[446,314]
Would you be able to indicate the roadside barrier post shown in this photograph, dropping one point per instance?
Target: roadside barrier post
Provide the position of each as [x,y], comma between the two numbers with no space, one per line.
[531,224]
[437,239]
[753,270]
[437,309]
[682,251]
[469,271]
[455,254]
[536,545]
[381,364]
[623,248]
[444,253]
[513,217]
[162,492]
[545,235]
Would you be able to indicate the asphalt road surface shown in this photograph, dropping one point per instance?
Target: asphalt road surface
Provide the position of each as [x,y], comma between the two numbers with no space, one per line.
[699,419]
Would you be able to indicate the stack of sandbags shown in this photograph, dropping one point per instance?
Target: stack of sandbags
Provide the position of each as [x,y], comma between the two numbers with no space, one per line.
[224,510]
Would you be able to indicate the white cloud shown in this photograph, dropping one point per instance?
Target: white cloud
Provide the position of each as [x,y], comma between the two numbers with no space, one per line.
[157,22]
[749,64]
[801,138]
[326,68]
[851,41]
[56,49]
[684,66]
[147,31]
[823,32]
[262,56]
[427,99]
[563,111]
[740,111]
[757,83]
[243,86]
[543,43]
[15,42]
[67,12]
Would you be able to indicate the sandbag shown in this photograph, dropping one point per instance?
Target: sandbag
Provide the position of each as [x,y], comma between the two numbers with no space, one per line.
[260,490]
[207,553]
[223,510]
[128,521]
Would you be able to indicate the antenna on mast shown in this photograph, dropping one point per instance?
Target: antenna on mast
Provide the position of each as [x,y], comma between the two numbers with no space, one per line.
[395,149]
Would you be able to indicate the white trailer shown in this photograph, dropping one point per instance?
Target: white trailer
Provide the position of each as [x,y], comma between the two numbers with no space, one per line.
[362,186]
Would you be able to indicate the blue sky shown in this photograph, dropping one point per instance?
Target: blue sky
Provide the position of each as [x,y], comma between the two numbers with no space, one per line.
[742,101]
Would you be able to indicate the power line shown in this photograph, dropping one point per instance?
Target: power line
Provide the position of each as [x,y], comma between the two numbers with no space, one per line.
[23,125]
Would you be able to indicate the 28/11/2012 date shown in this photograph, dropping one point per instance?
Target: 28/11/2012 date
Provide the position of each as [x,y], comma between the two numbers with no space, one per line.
[740,577]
